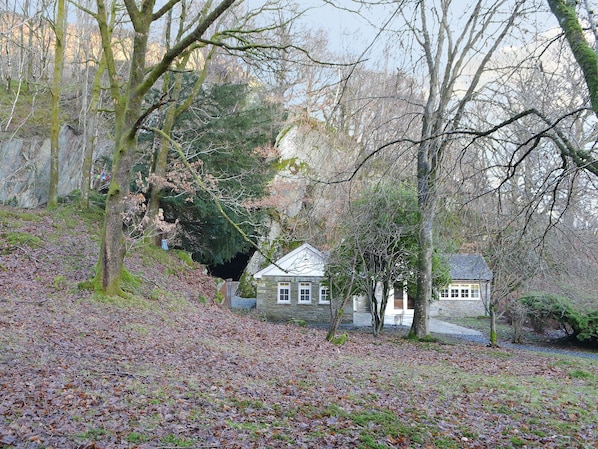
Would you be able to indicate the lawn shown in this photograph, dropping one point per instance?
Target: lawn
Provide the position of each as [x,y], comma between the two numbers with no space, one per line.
[166,368]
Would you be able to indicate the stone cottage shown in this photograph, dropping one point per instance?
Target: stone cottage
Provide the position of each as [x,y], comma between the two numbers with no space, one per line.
[294,288]
[468,295]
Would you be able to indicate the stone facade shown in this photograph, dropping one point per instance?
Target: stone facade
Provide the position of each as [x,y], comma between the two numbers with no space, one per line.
[314,312]
[460,308]
[457,308]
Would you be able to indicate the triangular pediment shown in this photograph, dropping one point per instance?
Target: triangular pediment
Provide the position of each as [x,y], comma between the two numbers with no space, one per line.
[302,261]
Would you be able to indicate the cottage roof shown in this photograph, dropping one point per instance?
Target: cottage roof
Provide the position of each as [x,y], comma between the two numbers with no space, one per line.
[469,267]
[303,261]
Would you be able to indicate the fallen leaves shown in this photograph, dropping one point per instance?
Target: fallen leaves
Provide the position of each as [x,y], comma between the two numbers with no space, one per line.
[76,372]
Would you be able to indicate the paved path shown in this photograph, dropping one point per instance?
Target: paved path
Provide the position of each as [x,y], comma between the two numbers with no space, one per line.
[436,326]
[365,320]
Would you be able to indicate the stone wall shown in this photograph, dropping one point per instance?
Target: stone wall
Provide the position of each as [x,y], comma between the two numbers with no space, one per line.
[457,308]
[267,297]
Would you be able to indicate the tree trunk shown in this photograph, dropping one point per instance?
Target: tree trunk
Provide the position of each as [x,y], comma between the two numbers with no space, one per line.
[493,339]
[583,52]
[128,112]
[90,134]
[113,240]
[379,325]
[55,115]
[420,327]
[160,159]
[335,321]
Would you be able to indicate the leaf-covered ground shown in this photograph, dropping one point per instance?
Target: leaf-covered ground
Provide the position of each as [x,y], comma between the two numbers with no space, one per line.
[166,369]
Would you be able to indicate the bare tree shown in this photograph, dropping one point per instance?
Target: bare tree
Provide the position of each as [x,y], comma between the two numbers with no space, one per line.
[518,194]
[456,54]
[128,96]
[59,24]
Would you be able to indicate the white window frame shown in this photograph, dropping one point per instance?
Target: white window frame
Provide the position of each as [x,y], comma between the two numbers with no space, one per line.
[461,292]
[303,290]
[324,295]
[284,290]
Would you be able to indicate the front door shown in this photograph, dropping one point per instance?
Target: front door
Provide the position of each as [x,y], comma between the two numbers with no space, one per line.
[399,300]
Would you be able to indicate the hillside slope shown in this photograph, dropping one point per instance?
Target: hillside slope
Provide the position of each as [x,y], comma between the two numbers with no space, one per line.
[164,368]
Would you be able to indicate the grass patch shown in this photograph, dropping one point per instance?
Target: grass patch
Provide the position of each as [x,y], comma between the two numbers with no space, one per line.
[9,216]
[70,216]
[130,283]
[93,433]
[16,239]
[136,438]
[382,424]
[59,283]
[124,302]
[185,257]
[580,374]
[178,441]
[482,324]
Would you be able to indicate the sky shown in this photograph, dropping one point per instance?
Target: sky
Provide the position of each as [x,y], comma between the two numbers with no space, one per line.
[347,31]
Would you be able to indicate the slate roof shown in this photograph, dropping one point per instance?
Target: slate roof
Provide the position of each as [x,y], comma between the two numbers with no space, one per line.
[469,267]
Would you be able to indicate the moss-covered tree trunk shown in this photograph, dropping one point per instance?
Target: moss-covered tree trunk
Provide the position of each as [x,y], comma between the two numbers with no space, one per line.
[335,321]
[583,52]
[129,116]
[59,23]
[493,336]
[160,157]
[128,111]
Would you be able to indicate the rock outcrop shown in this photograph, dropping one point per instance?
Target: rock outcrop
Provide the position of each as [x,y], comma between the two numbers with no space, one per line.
[25,168]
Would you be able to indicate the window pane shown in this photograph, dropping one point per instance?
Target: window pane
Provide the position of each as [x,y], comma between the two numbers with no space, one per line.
[284,292]
[324,295]
[475,291]
[304,292]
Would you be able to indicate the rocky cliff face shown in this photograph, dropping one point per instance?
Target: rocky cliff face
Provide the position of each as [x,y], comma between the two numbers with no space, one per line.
[309,189]
[25,168]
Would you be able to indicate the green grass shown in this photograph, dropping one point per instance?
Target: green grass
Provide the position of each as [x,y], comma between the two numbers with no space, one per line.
[8,217]
[178,441]
[22,239]
[136,438]
[580,374]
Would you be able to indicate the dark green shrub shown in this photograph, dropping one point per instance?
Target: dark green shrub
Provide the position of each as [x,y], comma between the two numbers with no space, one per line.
[581,324]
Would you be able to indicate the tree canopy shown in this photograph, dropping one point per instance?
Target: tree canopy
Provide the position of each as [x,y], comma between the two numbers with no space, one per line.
[227,134]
